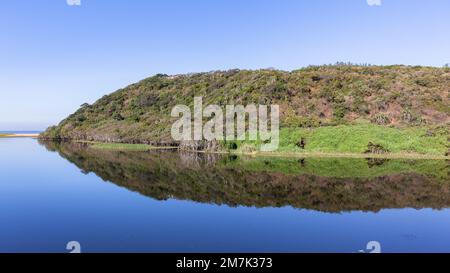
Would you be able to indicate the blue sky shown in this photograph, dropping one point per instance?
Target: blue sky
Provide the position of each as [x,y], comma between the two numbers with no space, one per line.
[54,57]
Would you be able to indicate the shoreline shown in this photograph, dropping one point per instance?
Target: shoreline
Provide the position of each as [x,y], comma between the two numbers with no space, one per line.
[287,154]
[19,135]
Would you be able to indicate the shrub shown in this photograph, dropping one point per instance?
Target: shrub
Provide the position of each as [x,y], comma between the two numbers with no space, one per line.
[117,116]
[380,119]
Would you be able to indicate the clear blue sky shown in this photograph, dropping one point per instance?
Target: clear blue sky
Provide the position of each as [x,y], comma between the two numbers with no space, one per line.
[54,57]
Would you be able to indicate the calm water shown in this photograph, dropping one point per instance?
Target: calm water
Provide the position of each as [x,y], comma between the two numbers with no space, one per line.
[52,193]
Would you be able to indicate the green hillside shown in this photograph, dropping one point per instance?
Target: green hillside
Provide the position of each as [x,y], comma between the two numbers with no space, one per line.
[338,108]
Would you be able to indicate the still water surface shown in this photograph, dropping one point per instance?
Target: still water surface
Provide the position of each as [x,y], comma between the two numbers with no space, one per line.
[112,201]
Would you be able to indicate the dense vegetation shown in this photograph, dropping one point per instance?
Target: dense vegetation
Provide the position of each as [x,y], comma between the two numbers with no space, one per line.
[398,108]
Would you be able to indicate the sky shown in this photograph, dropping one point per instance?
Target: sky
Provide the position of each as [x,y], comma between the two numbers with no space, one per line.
[55,56]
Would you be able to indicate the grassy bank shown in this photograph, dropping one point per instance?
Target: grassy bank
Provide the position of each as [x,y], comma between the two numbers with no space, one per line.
[357,139]
[121,146]
[336,141]
[125,146]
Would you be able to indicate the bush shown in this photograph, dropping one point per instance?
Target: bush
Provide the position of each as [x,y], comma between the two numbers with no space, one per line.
[380,119]
[117,116]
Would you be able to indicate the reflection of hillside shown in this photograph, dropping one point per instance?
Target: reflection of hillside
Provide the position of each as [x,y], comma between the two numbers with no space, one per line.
[219,180]
[345,168]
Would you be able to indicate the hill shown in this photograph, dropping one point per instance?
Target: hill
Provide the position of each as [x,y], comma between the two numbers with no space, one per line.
[398,97]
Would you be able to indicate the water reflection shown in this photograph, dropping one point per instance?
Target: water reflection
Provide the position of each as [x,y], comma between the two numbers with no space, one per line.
[330,185]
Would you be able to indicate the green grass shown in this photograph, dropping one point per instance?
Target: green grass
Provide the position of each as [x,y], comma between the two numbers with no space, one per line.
[124,146]
[121,146]
[354,139]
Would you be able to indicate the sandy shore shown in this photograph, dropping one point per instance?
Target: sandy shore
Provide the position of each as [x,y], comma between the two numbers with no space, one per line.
[19,135]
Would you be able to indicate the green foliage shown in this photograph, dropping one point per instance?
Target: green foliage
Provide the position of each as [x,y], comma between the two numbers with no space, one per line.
[339,111]
[356,139]
[302,122]
[121,146]
[117,116]
[380,119]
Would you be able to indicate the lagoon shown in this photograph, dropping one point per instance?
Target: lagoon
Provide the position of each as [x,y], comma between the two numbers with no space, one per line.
[165,201]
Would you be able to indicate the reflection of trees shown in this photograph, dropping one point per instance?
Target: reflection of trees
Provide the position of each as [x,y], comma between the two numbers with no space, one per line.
[209,178]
